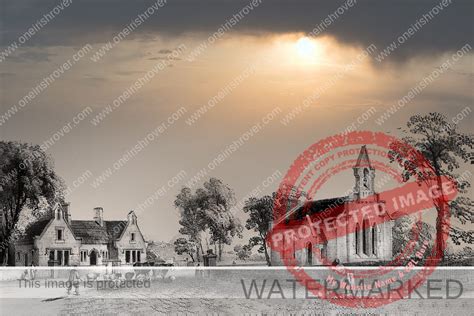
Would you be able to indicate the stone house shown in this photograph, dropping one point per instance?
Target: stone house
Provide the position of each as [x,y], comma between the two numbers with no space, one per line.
[365,243]
[61,241]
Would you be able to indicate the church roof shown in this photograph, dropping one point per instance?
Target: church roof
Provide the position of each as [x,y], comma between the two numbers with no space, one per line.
[363,159]
[332,207]
[329,207]
[92,233]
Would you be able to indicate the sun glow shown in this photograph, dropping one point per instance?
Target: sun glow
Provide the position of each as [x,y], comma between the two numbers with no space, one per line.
[308,50]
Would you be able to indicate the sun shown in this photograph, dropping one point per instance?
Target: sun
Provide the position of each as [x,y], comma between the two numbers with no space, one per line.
[307,49]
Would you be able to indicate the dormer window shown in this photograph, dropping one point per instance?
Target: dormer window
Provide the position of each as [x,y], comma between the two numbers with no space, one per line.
[132,236]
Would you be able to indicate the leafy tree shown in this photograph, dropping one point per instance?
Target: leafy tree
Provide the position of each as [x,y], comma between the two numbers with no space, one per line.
[403,234]
[242,252]
[267,209]
[206,215]
[185,246]
[216,200]
[192,219]
[467,252]
[27,180]
[444,148]
[286,199]
[260,212]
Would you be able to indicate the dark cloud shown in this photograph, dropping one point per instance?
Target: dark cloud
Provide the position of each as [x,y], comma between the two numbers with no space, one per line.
[165,51]
[34,56]
[369,21]
[6,74]
[164,58]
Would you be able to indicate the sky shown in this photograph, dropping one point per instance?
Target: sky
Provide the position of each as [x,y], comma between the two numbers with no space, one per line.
[259,70]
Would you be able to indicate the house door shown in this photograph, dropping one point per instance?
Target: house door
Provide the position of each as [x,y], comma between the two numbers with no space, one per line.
[93,258]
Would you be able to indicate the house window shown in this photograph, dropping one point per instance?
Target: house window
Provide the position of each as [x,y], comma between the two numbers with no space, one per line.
[60,234]
[51,255]
[132,256]
[132,236]
[83,255]
[66,257]
[62,257]
[58,215]
[18,256]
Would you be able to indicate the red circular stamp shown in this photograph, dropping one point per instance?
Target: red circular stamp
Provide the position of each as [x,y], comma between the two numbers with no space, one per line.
[351,235]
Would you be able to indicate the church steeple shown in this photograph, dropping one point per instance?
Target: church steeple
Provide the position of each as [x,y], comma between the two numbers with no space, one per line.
[364,175]
[363,160]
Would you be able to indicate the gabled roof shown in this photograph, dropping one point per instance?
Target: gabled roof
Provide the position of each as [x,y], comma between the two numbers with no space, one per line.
[363,159]
[92,233]
[333,206]
[116,233]
[34,229]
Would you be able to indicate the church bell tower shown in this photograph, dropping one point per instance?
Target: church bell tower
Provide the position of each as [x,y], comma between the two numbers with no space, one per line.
[364,175]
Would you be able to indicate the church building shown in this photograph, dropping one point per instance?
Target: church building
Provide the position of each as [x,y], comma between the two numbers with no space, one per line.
[366,243]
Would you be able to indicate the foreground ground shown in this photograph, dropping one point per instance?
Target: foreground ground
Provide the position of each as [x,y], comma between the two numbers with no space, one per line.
[220,293]
[137,304]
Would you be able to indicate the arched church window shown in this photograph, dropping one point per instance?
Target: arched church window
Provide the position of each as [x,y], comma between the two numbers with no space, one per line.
[357,239]
[365,237]
[309,254]
[366,178]
[374,240]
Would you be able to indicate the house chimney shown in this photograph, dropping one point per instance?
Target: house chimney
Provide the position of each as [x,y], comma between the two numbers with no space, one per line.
[99,215]
[66,213]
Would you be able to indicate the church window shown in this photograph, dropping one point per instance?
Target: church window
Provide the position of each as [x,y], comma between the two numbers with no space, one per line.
[357,239]
[365,237]
[294,250]
[374,240]
[366,178]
